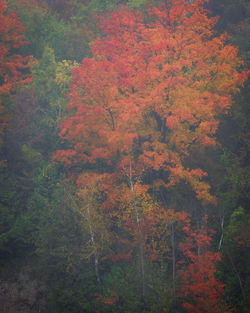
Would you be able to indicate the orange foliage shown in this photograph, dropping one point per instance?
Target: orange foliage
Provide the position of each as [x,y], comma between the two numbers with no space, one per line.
[154,87]
[161,83]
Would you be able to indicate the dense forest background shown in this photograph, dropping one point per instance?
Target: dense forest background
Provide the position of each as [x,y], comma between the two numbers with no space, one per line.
[102,224]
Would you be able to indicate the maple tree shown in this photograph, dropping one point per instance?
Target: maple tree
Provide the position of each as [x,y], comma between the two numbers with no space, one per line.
[158,91]
[12,64]
[153,88]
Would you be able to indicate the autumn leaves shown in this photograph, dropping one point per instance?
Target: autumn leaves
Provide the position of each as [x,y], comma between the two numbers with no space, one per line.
[153,89]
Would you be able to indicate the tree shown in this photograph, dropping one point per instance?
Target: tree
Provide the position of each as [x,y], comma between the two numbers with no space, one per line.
[95,223]
[159,91]
[153,89]
[59,242]
[12,64]
[42,28]
[13,74]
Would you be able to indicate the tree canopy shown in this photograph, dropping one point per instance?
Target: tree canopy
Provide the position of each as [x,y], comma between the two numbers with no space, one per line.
[124,155]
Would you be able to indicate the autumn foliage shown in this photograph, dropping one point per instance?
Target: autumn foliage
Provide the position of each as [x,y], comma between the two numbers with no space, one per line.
[12,64]
[132,128]
[153,88]
[201,291]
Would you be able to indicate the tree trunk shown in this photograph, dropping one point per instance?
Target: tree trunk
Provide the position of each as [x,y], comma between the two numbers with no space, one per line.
[222,232]
[235,271]
[141,250]
[173,257]
[92,237]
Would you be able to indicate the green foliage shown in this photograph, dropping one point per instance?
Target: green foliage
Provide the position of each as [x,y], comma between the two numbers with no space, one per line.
[140,4]
[15,227]
[123,281]
[31,155]
[235,268]
[121,284]
[42,29]
[50,84]
[58,240]
[237,220]
[102,5]
[44,74]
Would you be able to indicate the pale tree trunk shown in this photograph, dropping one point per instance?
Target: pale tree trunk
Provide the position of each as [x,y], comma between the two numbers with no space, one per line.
[173,258]
[141,250]
[92,238]
[198,244]
[91,232]
[222,233]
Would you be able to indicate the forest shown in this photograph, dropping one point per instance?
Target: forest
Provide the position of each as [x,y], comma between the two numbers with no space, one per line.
[124,160]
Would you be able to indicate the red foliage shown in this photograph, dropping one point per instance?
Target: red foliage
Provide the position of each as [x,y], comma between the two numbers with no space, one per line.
[11,63]
[120,256]
[201,291]
[153,88]
[112,299]
[170,73]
